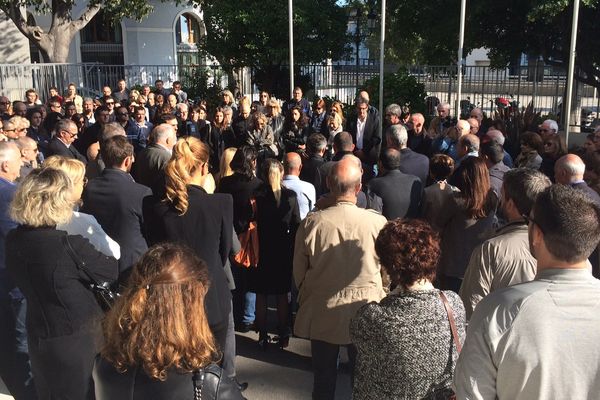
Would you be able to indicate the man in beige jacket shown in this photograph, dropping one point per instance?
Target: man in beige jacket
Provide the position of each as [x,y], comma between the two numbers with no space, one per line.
[336,271]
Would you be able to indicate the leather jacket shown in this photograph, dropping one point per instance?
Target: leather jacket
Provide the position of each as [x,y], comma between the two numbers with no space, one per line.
[134,384]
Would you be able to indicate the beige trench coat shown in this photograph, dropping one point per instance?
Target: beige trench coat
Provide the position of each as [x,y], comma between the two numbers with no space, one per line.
[336,270]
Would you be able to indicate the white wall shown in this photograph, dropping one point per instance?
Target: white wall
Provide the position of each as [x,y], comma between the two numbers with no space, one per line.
[150,42]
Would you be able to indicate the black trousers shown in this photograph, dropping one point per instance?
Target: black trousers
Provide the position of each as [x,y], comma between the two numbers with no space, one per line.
[15,369]
[325,366]
[225,339]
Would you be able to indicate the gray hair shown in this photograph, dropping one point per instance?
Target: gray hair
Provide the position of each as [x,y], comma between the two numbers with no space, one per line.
[111,129]
[522,186]
[573,167]
[394,109]
[552,124]
[63,125]
[496,136]
[445,106]
[161,133]
[397,135]
[7,150]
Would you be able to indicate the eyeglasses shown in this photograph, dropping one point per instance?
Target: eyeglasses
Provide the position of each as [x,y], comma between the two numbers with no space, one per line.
[123,114]
[548,144]
[543,130]
[110,103]
[4,103]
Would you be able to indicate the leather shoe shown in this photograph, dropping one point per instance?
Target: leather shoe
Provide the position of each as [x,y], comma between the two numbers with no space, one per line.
[241,386]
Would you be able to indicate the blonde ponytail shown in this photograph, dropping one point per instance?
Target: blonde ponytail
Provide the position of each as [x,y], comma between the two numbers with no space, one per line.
[188,155]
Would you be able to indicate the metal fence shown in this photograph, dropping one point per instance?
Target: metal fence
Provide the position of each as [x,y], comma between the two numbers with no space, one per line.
[544,86]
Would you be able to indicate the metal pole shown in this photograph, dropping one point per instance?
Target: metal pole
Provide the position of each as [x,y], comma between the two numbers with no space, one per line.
[291,29]
[381,61]
[461,41]
[567,106]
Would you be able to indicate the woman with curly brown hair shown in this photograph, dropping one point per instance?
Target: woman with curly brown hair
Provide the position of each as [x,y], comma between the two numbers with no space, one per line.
[202,221]
[158,343]
[404,343]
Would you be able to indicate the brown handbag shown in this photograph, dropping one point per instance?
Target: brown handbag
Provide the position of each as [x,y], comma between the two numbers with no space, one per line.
[248,255]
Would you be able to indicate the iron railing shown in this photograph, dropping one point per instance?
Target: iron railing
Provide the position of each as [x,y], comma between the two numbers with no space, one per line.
[544,86]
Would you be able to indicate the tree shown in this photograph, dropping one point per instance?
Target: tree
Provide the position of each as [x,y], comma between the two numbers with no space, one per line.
[427,32]
[254,33]
[54,43]
[539,28]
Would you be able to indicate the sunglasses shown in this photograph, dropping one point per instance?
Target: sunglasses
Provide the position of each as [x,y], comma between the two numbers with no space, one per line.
[4,103]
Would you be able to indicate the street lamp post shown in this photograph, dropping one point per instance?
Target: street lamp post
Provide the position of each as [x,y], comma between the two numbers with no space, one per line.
[357,41]
[571,73]
[291,29]
[381,61]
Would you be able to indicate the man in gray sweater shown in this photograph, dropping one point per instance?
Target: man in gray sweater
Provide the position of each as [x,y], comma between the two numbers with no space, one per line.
[539,339]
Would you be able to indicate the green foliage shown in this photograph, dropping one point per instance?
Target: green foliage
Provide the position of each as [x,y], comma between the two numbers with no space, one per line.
[399,88]
[255,32]
[202,83]
[427,32]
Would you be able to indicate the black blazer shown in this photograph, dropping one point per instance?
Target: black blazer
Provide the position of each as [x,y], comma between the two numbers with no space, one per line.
[135,384]
[58,148]
[58,301]
[149,165]
[241,189]
[413,163]
[206,227]
[62,312]
[115,200]
[371,137]
[401,194]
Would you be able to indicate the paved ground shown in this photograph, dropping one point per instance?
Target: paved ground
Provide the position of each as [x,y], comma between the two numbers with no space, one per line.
[273,375]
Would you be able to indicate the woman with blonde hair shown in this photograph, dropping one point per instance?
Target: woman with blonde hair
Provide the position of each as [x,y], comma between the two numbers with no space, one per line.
[81,223]
[158,344]
[277,218]
[204,222]
[276,120]
[225,167]
[46,264]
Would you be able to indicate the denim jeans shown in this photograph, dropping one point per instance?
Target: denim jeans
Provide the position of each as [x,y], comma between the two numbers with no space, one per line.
[244,302]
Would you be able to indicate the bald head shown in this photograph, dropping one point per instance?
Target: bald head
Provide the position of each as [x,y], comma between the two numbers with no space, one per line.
[292,164]
[495,136]
[569,169]
[463,127]
[344,178]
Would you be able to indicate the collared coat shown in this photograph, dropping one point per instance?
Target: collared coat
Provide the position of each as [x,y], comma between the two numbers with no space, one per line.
[336,270]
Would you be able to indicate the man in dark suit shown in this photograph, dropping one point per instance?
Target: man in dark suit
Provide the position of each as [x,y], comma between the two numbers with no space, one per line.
[316,145]
[411,163]
[401,193]
[92,134]
[62,142]
[342,145]
[365,134]
[569,170]
[150,162]
[115,200]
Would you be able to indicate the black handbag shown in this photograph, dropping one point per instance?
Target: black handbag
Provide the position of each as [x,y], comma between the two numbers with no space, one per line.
[211,383]
[102,291]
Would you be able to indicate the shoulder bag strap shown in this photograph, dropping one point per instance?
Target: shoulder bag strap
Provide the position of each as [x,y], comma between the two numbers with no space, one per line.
[450,314]
[198,381]
[78,261]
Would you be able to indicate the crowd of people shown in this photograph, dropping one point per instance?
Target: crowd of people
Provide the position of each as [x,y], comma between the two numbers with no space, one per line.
[446,260]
